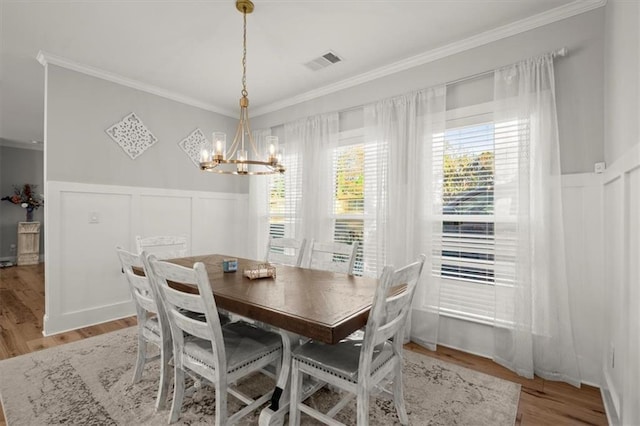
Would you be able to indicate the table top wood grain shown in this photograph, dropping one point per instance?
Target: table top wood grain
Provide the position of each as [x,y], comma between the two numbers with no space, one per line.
[325,306]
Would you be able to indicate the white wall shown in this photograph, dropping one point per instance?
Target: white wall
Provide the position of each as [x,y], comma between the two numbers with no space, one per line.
[161,192]
[622,266]
[84,284]
[582,205]
[621,346]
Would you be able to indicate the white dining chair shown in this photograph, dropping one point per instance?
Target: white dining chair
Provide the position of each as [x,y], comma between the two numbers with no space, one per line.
[364,360]
[204,349]
[164,246]
[285,251]
[153,326]
[332,256]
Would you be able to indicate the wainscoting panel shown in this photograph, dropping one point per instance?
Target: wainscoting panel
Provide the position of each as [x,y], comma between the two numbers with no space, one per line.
[87,254]
[220,225]
[614,267]
[84,284]
[630,402]
[621,281]
[582,204]
[165,215]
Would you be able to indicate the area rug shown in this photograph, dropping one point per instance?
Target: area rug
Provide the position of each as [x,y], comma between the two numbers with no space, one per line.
[89,382]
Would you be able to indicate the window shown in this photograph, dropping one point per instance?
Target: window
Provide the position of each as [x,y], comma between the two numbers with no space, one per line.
[354,188]
[467,204]
[348,198]
[464,161]
[284,196]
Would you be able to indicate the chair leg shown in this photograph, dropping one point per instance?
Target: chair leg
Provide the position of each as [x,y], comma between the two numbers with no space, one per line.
[142,355]
[296,389]
[363,407]
[221,405]
[178,394]
[398,394]
[163,389]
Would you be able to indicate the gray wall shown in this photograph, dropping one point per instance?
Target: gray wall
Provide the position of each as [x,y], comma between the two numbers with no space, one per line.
[17,167]
[81,107]
[579,83]
[622,86]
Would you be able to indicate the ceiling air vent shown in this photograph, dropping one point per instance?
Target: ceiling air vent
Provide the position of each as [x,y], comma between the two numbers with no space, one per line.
[323,61]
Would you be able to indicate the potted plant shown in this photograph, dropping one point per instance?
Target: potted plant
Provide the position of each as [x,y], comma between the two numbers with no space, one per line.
[26,198]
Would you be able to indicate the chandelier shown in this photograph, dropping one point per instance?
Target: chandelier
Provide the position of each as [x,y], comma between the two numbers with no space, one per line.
[237,160]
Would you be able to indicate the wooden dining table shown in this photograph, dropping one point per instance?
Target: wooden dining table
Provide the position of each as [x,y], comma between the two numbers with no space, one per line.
[321,305]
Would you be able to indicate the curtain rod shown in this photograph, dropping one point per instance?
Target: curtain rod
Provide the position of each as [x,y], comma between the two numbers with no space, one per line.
[559,52]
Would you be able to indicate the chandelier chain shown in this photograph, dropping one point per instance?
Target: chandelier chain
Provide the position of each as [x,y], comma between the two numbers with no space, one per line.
[214,155]
[244,54]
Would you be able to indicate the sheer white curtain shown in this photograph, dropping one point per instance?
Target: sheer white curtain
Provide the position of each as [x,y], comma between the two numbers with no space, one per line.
[532,328]
[258,211]
[308,145]
[403,128]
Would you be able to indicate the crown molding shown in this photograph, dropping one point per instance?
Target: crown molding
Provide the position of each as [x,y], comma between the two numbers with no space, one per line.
[562,12]
[46,58]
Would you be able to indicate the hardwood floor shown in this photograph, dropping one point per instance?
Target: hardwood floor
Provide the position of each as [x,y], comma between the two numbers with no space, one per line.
[542,402]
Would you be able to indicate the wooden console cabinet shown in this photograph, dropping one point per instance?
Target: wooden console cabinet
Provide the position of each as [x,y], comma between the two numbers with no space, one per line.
[28,243]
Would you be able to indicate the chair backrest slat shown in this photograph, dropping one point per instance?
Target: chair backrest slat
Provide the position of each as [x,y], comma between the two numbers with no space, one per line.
[164,246]
[286,251]
[192,326]
[391,306]
[140,286]
[183,308]
[183,300]
[333,256]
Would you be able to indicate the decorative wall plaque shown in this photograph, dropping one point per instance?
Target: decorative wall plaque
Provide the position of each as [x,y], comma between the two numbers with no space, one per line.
[191,145]
[132,135]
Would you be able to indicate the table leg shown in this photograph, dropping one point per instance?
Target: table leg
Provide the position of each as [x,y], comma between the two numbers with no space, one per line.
[272,417]
[274,414]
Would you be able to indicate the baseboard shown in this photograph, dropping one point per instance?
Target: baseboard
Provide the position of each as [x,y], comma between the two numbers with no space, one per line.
[12,259]
[609,408]
[85,318]
[610,400]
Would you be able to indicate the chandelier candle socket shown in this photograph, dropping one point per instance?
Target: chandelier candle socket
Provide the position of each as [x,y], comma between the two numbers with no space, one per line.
[241,159]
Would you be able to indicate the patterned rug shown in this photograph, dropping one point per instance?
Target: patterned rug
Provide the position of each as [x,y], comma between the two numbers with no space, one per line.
[89,383]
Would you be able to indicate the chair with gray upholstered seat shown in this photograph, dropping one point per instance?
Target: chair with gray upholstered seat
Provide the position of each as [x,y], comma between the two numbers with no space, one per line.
[364,360]
[153,327]
[206,350]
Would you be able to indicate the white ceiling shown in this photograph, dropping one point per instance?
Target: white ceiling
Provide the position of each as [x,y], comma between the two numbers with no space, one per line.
[192,49]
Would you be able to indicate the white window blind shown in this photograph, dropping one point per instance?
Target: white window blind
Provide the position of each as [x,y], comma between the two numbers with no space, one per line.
[471,157]
[285,195]
[355,179]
